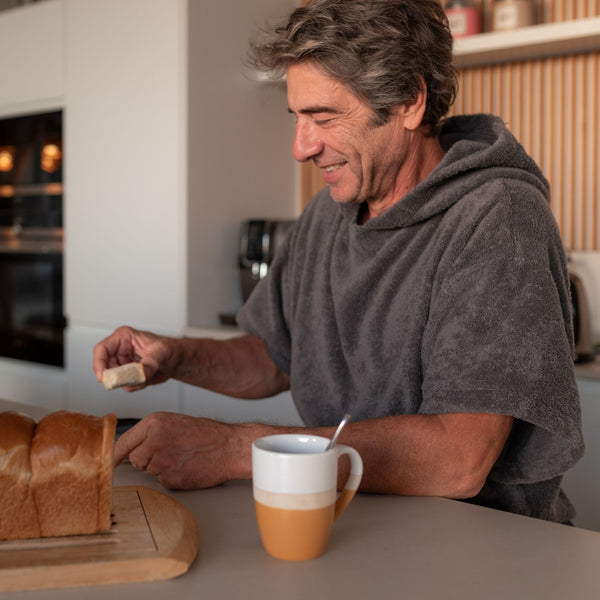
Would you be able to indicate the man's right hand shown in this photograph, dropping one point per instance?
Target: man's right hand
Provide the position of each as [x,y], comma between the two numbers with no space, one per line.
[239,367]
[156,353]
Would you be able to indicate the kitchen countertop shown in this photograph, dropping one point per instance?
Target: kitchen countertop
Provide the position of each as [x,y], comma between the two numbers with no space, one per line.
[221,332]
[382,546]
[588,370]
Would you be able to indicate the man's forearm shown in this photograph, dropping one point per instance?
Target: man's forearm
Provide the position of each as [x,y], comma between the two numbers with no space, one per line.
[429,455]
[239,367]
[418,455]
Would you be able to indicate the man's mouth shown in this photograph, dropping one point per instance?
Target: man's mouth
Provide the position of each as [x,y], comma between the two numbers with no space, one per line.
[331,168]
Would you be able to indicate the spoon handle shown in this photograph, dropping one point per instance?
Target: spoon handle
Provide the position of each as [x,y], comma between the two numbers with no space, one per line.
[337,432]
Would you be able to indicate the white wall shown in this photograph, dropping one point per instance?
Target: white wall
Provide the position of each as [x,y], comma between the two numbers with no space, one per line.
[240,149]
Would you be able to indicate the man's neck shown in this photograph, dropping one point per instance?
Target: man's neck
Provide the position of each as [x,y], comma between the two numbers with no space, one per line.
[425,157]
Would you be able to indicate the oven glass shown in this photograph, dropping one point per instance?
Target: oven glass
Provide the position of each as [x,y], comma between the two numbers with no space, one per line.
[31,310]
[32,322]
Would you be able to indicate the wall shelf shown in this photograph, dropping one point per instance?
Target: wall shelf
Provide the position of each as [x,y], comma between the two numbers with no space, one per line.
[537,41]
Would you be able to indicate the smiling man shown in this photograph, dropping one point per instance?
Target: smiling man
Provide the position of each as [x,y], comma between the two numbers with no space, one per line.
[424,290]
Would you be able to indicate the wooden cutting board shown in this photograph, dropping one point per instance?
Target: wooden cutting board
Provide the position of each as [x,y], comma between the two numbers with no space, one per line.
[153,537]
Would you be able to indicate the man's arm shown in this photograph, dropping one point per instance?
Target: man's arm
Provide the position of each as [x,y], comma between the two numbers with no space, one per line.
[431,455]
[239,367]
[423,455]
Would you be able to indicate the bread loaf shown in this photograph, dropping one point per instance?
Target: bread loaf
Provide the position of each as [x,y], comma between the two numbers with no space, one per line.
[67,463]
[18,515]
[129,374]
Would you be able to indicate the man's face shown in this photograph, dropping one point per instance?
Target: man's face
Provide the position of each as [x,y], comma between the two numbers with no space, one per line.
[334,129]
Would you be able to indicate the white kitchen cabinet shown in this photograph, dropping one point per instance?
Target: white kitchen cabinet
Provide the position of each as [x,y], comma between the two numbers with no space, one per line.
[29,383]
[32,61]
[125,200]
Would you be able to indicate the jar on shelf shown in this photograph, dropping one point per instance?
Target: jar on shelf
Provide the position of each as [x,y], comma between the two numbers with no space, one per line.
[512,14]
[464,18]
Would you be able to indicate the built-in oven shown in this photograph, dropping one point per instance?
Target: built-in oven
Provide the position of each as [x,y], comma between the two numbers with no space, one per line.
[31,300]
[32,319]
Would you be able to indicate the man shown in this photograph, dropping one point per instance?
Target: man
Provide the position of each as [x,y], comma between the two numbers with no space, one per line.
[424,291]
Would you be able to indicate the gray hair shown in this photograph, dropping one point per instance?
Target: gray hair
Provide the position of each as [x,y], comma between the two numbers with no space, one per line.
[381,50]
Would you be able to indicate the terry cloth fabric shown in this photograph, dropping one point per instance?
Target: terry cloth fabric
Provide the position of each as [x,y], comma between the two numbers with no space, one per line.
[455,299]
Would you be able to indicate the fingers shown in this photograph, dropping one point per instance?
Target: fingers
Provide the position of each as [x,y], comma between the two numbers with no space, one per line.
[143,452]
[100,361]
[115,350]
[131,444]
[127,345]
[142,461]
[183,452]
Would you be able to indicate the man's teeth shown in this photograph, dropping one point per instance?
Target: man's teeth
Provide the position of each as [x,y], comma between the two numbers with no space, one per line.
[331,168]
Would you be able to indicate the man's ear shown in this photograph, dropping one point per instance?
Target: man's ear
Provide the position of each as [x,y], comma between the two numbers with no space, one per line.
[413,112]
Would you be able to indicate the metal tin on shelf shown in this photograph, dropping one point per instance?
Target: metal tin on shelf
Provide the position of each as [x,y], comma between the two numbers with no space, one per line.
[512,14]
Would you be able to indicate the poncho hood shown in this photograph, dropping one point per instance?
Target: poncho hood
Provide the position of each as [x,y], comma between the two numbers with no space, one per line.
[478,148]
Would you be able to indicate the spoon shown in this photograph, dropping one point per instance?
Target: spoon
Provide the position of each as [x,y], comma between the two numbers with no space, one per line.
[337,432]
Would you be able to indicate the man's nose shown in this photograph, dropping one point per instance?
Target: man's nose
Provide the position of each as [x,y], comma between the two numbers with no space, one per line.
[306,142]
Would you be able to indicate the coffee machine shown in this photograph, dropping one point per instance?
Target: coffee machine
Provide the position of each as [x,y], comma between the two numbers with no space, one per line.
[259,241]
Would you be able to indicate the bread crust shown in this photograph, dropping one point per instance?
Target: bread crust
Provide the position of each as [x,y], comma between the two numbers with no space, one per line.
[71,466]
[18,514]
[105,474]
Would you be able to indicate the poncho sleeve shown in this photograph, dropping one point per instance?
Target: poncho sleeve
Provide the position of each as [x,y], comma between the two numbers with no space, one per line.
[499,340]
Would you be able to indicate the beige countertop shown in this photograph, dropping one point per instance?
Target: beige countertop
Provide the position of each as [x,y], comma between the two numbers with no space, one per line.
[382,547]
[588,370]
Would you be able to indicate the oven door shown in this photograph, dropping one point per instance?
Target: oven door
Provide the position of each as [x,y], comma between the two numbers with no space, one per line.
[31,304]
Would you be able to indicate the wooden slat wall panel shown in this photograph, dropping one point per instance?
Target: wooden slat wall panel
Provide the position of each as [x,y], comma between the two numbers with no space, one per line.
[551,106]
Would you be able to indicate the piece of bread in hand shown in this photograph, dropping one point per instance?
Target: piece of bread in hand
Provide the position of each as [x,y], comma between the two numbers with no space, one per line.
[18,515]
[125,375]
[71,473]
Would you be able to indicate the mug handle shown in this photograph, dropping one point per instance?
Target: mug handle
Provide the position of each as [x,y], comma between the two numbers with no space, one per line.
[356,471]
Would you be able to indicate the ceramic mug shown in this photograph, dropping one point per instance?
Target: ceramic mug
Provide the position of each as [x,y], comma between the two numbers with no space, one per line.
[295,492]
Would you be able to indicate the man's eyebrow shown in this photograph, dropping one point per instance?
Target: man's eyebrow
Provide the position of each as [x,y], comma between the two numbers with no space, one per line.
[309,110]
